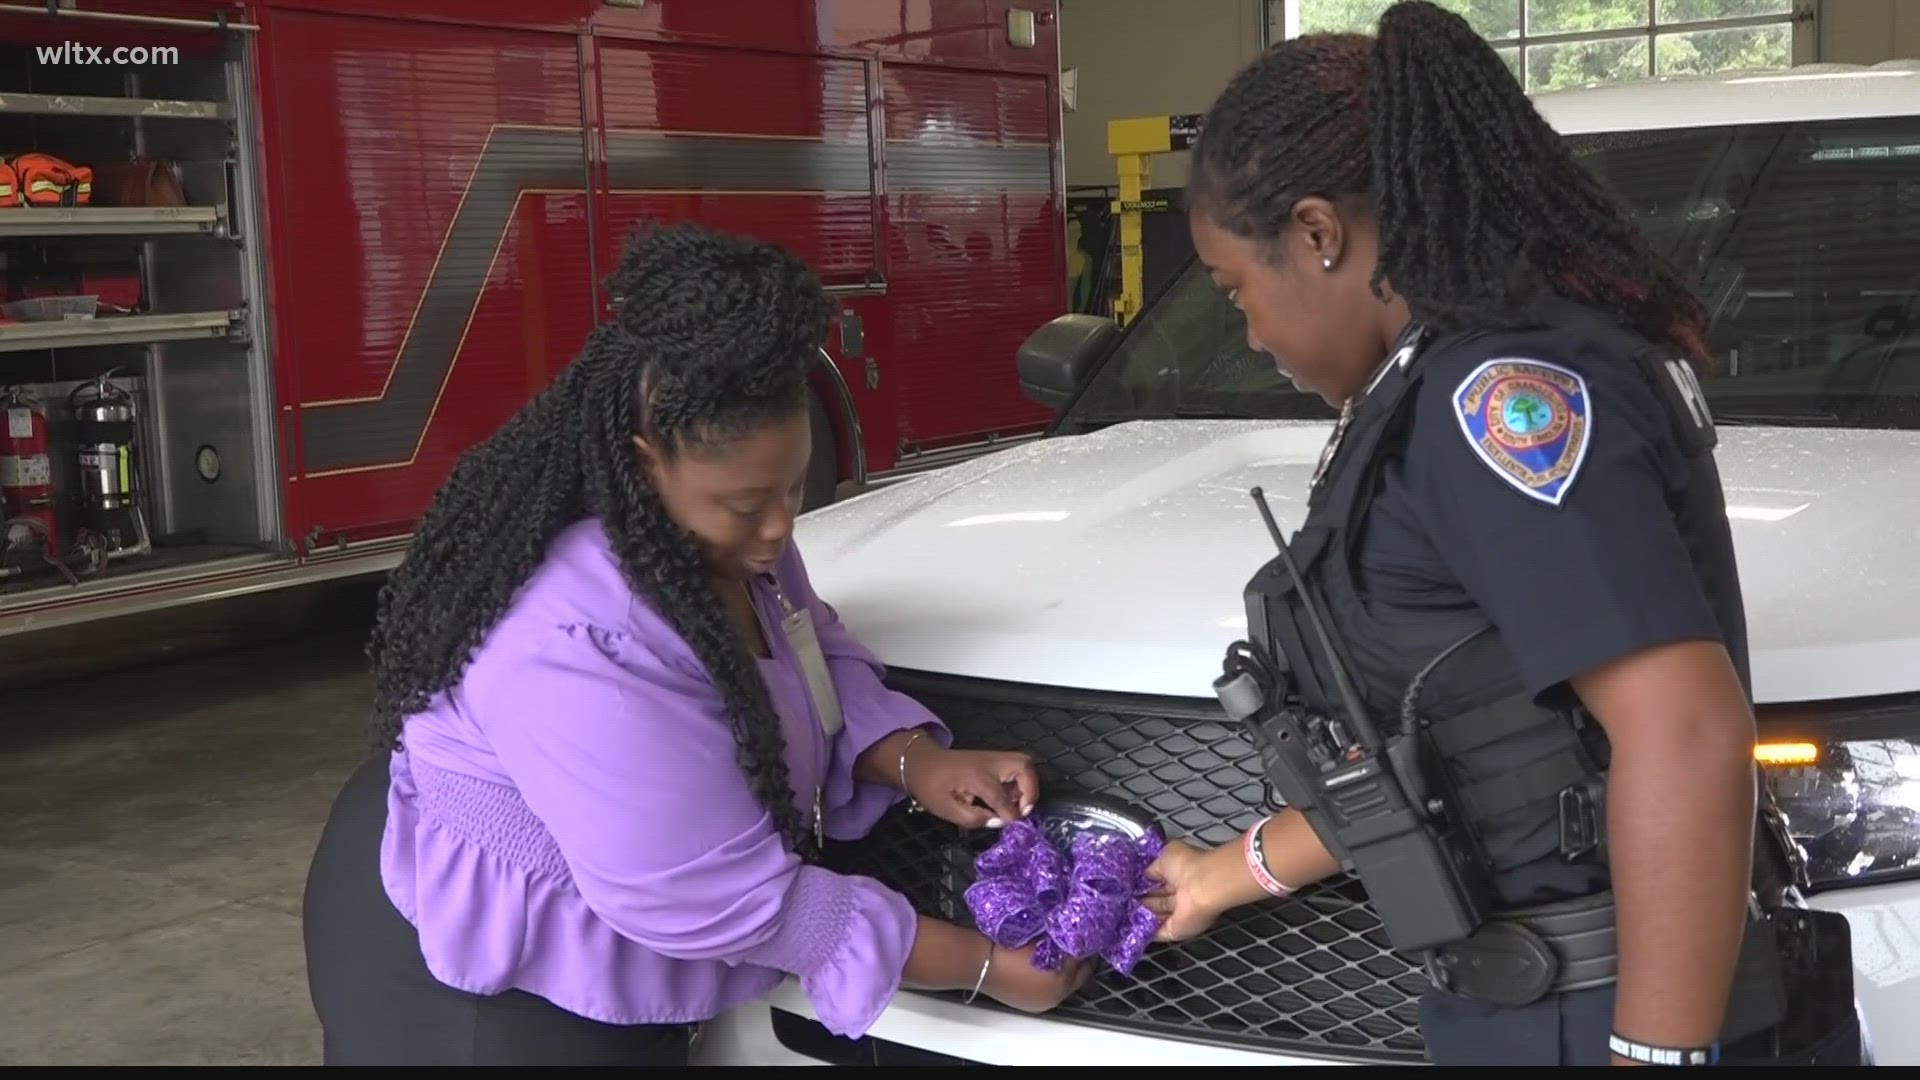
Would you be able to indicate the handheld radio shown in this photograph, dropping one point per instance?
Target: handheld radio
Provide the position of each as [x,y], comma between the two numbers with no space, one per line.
[1368,797]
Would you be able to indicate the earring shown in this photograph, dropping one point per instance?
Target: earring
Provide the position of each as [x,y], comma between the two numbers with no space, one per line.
[1326,262]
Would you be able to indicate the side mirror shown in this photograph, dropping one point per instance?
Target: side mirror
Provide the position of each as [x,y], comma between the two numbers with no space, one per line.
[1056,359]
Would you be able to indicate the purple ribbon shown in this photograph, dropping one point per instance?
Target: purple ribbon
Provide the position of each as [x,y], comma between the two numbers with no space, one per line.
[1082,904]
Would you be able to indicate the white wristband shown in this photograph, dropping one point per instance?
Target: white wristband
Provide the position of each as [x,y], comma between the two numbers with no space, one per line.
[1663,1055]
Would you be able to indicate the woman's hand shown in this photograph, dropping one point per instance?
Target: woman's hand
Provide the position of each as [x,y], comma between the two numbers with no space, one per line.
[1013,981]
[1185,900]
[971,788]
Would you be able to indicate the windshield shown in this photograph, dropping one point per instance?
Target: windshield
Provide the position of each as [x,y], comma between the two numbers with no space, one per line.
[1187,355]
[1798,237]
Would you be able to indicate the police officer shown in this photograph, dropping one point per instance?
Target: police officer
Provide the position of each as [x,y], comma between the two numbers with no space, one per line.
[1519,541]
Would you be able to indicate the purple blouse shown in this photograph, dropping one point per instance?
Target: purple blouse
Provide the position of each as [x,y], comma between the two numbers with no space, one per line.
[569,820]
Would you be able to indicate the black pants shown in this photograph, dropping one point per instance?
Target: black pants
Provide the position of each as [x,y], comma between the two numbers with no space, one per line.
[1572,1029]
[379,1005]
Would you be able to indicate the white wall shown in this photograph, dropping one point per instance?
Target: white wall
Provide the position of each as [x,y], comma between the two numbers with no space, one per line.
[1148,58]
[1868,31]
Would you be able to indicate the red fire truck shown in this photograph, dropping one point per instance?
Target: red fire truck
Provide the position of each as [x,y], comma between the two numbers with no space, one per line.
[269,267]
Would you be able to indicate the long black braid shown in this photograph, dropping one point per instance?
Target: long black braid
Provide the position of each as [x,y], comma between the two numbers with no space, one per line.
[1480,205]
[715,335]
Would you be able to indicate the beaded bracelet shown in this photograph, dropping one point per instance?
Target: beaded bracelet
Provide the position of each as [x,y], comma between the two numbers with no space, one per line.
[1257,861]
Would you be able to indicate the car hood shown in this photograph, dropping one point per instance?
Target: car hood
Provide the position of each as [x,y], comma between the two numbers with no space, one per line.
[1115,561]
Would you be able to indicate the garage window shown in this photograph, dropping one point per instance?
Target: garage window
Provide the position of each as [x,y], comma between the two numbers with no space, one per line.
[1557,44]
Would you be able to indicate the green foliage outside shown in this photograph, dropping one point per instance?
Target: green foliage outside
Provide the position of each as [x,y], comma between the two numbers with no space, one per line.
[1557,66]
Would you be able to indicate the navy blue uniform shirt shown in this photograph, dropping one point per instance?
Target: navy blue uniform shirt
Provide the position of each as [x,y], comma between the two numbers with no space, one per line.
[1534,484]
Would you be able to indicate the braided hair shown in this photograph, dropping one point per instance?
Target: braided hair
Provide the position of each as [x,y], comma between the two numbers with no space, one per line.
[714,336]
[1480,206]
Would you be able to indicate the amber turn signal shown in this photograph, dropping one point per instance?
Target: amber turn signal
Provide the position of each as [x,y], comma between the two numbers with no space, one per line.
[1786,753]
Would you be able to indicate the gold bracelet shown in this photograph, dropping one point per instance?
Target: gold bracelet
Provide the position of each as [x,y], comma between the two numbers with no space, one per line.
[913,804]
[982,980]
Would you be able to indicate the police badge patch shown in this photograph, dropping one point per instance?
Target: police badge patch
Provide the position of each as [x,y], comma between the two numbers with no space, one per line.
[1530,421]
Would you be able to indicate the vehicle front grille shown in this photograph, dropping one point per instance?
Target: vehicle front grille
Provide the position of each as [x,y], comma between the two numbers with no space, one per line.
[1311,974]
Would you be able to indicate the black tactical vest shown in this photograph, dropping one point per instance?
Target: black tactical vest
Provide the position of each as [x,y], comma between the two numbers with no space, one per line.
[1529,775]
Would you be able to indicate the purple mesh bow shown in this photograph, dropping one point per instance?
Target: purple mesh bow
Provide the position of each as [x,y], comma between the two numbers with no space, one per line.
[1081,905]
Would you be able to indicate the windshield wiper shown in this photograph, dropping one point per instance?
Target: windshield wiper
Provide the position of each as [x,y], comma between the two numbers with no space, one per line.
[1192,412]
[1750,419]
[1195,412]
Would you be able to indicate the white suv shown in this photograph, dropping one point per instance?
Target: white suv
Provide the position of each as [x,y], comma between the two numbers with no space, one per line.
[1074,597]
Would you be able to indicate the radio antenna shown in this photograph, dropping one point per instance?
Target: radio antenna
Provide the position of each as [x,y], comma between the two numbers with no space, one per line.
[1349,700]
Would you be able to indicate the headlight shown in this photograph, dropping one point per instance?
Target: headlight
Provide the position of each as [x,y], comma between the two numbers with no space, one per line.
[1847,778]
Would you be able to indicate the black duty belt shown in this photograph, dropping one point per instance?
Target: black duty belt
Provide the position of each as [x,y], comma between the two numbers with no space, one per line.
[1518,957]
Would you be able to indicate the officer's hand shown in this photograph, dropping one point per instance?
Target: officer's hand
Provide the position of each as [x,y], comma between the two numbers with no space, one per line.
[1183,899]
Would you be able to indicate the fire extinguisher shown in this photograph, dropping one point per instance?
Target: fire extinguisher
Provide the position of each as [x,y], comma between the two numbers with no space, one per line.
[26,475]
[106,434]
[109,471]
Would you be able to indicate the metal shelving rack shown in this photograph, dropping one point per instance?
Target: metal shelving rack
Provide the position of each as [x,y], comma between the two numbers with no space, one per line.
[129,108]
[130,221]
[115,330]
[194,348]
[112,220]
[192,352]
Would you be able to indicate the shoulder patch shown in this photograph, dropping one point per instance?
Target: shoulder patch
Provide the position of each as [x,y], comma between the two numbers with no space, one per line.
[1530,421]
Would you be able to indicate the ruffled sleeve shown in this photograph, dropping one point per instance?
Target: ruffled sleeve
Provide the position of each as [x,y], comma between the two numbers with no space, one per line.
[870,711]
[622,748]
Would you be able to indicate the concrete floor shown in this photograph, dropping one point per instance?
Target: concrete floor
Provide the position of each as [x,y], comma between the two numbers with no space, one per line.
[155,827]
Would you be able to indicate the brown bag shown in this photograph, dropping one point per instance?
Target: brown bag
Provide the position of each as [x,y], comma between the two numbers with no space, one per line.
[145,182]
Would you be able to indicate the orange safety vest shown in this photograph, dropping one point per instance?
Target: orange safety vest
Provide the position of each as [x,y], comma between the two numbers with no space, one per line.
[46,180]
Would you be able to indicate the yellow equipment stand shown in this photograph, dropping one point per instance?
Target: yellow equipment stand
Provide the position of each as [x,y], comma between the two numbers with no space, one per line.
[1133,144]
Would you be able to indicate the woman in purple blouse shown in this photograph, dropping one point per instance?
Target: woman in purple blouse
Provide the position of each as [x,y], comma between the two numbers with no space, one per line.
[616,724]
